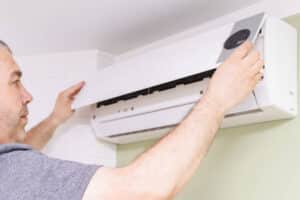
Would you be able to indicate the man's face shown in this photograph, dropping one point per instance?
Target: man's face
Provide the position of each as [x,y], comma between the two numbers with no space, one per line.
[13,100]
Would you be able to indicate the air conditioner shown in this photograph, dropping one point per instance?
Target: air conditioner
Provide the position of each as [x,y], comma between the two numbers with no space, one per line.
[156,89]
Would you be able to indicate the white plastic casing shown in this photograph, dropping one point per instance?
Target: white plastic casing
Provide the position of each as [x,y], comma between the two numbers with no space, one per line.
[150,116]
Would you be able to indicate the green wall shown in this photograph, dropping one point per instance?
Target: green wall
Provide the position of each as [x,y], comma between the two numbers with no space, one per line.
[259,161]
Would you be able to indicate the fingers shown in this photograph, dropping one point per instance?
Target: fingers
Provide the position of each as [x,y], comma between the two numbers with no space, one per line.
[74,90]
[242,50]
[257,73]
[257,67]
[251,58]
[258,77]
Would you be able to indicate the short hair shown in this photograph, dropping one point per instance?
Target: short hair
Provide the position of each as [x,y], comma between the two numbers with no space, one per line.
[3,44]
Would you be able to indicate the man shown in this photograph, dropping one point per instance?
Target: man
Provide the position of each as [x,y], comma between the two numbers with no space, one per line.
[38,136]
[160,173]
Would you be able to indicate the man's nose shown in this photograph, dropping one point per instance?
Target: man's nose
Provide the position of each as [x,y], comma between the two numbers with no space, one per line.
[27,97]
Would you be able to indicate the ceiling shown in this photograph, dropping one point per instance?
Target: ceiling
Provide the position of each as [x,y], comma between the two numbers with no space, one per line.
[115,26]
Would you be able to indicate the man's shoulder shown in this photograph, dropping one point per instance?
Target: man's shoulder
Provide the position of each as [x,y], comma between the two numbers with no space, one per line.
[28,172]
[12,147]
[19,155]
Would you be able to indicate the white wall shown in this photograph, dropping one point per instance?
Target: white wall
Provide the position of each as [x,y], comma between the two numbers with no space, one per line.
[45,76]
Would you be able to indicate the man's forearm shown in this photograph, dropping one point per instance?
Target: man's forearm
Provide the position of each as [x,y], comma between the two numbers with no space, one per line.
[172,161]
[39,135]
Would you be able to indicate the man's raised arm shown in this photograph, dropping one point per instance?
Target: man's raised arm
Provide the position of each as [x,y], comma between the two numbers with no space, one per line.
[40,135]
[162,171]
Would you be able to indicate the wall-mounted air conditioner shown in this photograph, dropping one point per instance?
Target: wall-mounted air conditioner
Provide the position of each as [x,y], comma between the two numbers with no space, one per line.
[157,89]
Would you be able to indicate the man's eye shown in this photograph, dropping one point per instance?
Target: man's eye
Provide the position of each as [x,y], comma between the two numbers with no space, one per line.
[17,82]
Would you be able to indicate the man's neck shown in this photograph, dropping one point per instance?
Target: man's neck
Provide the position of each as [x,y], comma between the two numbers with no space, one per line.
[7,137]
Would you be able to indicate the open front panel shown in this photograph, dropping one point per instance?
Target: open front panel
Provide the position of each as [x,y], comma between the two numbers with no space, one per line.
[183,58]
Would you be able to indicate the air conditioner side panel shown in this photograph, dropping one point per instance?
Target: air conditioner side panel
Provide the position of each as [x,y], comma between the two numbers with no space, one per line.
[279,87]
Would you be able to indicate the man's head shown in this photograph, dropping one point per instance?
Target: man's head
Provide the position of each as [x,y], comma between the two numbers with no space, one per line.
[14,98]
[4,45]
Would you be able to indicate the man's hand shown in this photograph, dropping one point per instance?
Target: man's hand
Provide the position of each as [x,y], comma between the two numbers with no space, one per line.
[39,135]
[62,109]
[235,78]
